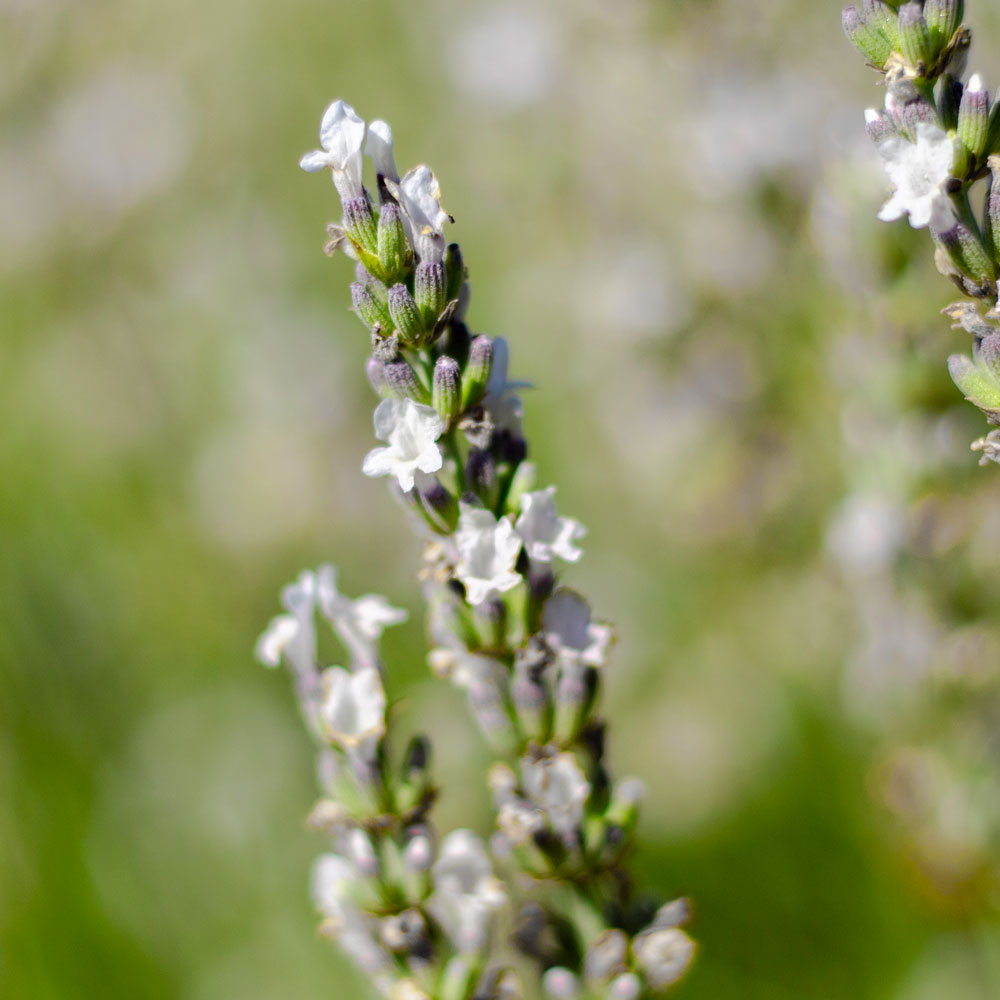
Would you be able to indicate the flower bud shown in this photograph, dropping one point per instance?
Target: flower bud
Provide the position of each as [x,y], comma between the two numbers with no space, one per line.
[428,290]
[393,250]
[576,691]
[993,209]
[457,980]
[374,314]
[663,954]
[481,473]
[402,382]
[477,371]
[418,854]
[454,271]
[560,984]
[881,17]
[943,18]
[359,222]
[974,117]
[966,252]
[405,315]
[949,101]
[606,956]
[626,987]
[359,850]
[375,370]
[917,111]
[439,506]
[866,39]
[914,37]
[879,125]
[976,383]
[446,392]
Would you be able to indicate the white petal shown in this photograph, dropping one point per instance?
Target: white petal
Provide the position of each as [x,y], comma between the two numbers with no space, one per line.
[378,147]
[315,161]
[341,131]
[275,638]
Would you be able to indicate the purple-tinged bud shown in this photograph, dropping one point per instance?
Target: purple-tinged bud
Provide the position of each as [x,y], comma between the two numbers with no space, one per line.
[993,209]
[374,314]
[454,270]
[481,473]
[403,383]
[974,117]
[491,622]
[406,934]
[879,126]
[394,252]
[882,18]
[914,37]
[405,314]
[477,371]
[967,253]
[418,855]
[359,222]
[576,691]
[943,18]
[446,392]
[916,112]
[987,354]
[560,984]
[361,853]
[870,42]
[375,370]
[428,290]
[440,507]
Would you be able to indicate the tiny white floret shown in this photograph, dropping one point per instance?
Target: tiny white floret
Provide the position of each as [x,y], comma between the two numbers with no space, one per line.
[570,631]
[919,171]
[341,135]
[487,553]
[411,431]
[353,709]
[544,532]
[557,786]
[419,197]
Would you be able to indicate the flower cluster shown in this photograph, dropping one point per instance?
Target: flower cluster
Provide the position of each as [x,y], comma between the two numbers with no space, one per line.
[938,136]
[416,915]
[523,647]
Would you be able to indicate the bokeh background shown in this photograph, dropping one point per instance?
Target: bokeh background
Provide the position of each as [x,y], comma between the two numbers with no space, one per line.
[668,207]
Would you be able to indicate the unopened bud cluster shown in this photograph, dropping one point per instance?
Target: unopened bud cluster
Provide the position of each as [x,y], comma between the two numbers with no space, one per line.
[523,648]
[938,136]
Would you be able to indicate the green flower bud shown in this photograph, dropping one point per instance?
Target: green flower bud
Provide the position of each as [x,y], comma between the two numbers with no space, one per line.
[976,377]
[870,42]
[374,314]
[949,101]
[966,252]
[993,210]
[531,703]
[393,251]
[359,223]
[446,391]
[943,18]
[914,37]
[428,290]
[881,17]
[477,371]
[405,315]
[454,269]
[974,117]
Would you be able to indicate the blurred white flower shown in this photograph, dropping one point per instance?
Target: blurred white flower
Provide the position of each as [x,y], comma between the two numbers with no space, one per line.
[544,532]
[353,709]
[505,409]
[332,879]
[411,430]
[360,622]
[466,893]
[487,552]
[570,631]
[558,787]
[293,636]
[663,954]
[866,533]
[341,134]
[378,148]
[560,984]
[918,171]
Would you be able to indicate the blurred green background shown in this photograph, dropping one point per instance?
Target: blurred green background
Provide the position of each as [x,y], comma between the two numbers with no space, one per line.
[669,209]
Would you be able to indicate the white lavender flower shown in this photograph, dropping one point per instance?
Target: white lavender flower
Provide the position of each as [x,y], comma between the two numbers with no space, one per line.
[360,622]
[919,171]
[544,532]
[353,709]
[466,893]
[292,636]
[341,134]
[504,408]
[570,631]
[419,196]
[411,431]
[558,787]
[487,552]
[332,879]
[378,148]
[560,984]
